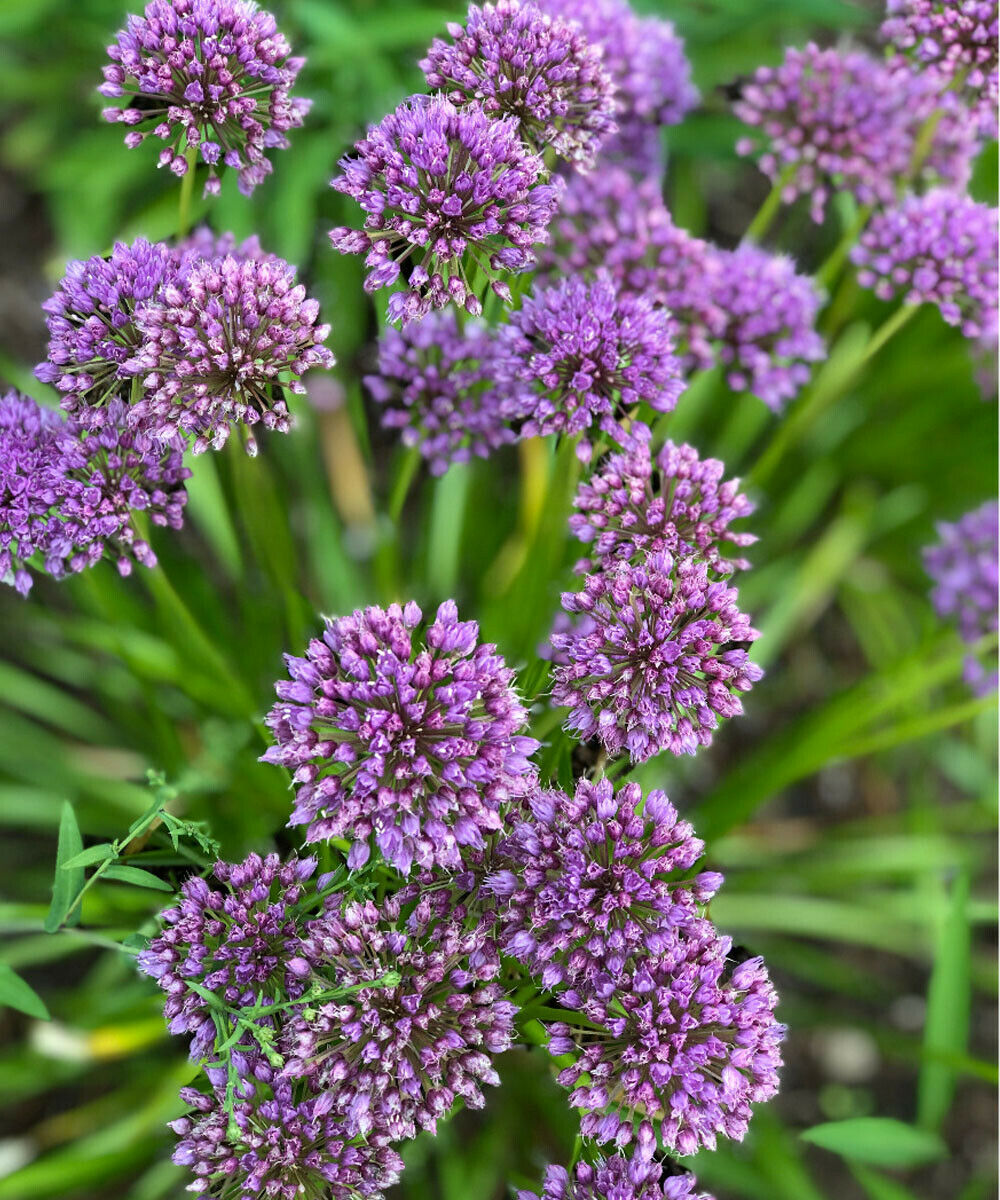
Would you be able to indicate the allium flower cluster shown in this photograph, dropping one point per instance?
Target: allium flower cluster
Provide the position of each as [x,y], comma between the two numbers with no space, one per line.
[836,119]
[941,249]
[210,77]
[581,354]
[639,1177]
[957,37]
[445,190]
[684,1039]
[421,1020]
[221,345]
[412,746]
[592,881]
[515,60]
[963,565]
[239,937]
[437,384]
[633,504]
[279,1143]
[665,660]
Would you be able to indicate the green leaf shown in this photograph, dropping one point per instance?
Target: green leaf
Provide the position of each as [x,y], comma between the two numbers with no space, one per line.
[878,1142]
[138,877]
[880,1188]
[67,884]
[135,943]
[15,993]
[87,858]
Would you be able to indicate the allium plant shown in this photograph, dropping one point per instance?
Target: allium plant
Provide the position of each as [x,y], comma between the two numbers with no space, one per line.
[211,79]
[637,1177]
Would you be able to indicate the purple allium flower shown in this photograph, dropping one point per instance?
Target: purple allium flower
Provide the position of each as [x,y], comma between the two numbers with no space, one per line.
[588,882]
[211,76]
[91,318]
[279,1141]
[450,189]
[422,1019]
[959,38]
[238,938]
[437,384]
[513,59]
[963,565]
[634,504]
[203,243]
[579,354]
[936,249]
[564,623]
[413,746]
[837,119]
[684,1039]
[665,661]
[221,344]
[639,1177]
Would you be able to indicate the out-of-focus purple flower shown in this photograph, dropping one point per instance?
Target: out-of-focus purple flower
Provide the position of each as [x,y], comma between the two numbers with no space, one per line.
[239,938]
[445,190]
[421,1021]
[206,76]
[589,882]
[437,383]
[666,659]
[411,747]
[963,565]
[203,243]
[580,354]
[938,249]
[685,1039]
[91,318]
[220,346]
[634,504]
[279,1141]
[564,623]
[958,37]
[515,60]
[638,1177]
[833,119]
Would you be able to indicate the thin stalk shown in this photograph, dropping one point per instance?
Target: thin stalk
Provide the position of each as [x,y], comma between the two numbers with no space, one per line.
[830,269]
[402,483]
[888,329]
[762,222]
[187,191]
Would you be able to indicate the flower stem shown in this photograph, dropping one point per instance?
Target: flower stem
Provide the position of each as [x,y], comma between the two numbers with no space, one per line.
[829,271]
[888,329]
[403,482]
[187,190]
[762,222]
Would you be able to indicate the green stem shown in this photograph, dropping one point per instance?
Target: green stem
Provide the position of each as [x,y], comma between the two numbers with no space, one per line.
[187,191]
[888,329]
[762,222]
[402,483]
[829,271]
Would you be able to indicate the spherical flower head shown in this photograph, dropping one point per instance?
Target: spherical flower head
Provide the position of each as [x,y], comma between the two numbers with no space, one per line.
[963,565]
[436,383]
[420,1021]
[843,120]
[636,1177]
[665,661]
[515,60]
[634,504]
[446,189]
[237,935]
[280,1141]
[91,318]
[685,1039]
[221,345]
[581,354]
[589,882]
[409,744]
[210,77]
[202,243]
[958,38]
[768,340]
[940,249]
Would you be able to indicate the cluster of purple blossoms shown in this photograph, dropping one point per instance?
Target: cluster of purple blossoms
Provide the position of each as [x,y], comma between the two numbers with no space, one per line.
[581,354]
[208,77]
[941,249]
[590,882]
[240,939]
[963,565]
[639,1177]
[957,37]
[444,190]
[414,747]
[665,659]
[634,504]
[274,1141]
[515,60]
[437,384]
[844,120]
[420,1021]
[684,1038]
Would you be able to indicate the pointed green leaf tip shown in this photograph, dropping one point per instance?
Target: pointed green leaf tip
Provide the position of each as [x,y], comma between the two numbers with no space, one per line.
[138,877]
[15,993]
[67,884]
[878,1141]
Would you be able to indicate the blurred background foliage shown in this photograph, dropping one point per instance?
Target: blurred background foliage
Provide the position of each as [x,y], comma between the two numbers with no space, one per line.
[852,809]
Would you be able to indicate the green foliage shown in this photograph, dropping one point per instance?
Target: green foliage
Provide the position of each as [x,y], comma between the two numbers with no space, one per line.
[878,1141]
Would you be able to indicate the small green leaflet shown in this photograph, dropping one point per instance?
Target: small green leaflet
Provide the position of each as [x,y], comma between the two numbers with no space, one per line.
[67,884]
[878,1141]
[137,876]
[15,993]
[93,854]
